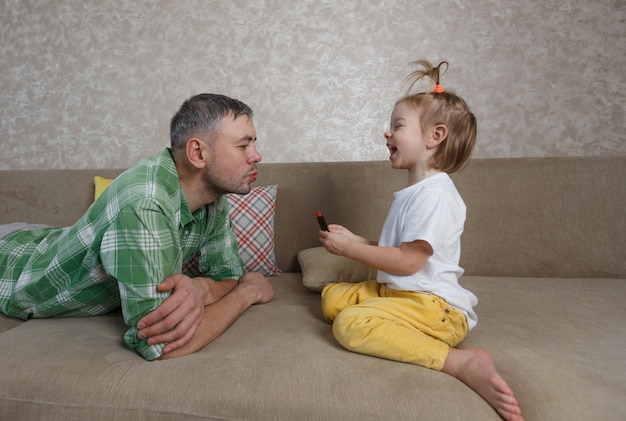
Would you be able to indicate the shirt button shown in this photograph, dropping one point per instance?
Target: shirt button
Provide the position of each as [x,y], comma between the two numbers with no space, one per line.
[186,232]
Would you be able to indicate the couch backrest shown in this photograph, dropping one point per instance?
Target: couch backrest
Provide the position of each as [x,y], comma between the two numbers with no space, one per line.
[540,217]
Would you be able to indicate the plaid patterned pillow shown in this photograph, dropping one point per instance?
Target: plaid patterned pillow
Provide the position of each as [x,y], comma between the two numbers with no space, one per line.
[253,220]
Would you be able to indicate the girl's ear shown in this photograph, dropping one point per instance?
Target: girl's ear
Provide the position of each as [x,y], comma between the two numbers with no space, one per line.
[439,134]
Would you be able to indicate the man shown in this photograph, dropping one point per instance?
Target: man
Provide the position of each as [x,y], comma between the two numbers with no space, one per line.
[130,245]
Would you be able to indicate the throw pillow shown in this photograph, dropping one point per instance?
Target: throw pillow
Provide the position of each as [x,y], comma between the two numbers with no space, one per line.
[101,185]
[320,267]
[253,221]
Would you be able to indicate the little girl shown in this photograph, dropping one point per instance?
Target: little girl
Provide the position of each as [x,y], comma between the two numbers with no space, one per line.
[416,311]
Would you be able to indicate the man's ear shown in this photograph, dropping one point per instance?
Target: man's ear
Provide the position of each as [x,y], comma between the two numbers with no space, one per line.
[438,135]
[196,150]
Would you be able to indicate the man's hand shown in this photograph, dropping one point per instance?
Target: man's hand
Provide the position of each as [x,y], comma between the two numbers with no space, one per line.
[258,286]
[178,317]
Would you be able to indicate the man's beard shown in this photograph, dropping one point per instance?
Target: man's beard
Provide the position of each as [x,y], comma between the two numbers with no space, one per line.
[217,185]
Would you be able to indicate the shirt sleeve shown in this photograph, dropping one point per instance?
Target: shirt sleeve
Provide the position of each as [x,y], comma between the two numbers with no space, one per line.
[140,249]
[429,219]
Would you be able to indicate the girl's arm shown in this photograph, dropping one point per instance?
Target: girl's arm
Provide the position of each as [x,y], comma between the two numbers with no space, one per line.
[345,232]
[407,259]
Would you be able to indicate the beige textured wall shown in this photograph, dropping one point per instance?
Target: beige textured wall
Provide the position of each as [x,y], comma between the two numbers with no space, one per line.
[93,83]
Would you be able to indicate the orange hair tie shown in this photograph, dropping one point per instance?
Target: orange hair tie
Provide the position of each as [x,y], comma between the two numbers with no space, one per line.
[438,88]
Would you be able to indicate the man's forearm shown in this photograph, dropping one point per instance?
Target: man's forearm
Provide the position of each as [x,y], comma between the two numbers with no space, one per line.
[217,318]
[218,289]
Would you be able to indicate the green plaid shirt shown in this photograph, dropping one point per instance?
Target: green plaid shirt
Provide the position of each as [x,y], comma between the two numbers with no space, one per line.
[136,234]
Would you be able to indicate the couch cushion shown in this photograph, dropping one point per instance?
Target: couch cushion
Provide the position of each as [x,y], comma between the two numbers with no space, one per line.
[555,340]
[530,217]
[7,323]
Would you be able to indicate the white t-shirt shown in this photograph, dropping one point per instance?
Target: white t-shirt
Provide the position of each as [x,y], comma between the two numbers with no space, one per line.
[433,211]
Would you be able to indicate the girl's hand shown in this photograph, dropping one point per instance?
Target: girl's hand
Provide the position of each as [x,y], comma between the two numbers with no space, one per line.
[338,238]
[341,230]
[332,241]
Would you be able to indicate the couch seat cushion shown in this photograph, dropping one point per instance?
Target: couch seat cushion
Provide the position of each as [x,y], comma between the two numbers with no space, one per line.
[556,341]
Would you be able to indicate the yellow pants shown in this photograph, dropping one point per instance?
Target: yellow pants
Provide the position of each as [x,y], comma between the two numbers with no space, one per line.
[370,318]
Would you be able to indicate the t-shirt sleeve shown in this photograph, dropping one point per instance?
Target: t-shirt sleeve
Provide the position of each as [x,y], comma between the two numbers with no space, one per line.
[140,249]
[430,219]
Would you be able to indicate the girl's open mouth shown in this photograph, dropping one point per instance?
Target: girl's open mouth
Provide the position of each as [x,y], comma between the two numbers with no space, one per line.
[392,150]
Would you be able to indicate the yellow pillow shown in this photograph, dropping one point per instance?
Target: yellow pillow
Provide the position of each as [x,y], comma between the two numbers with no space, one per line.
[101,185]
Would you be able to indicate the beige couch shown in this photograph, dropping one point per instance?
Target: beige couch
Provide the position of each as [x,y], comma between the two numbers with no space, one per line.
[544,250]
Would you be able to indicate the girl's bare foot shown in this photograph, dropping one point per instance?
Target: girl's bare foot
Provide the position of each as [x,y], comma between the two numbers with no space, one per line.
[475,367]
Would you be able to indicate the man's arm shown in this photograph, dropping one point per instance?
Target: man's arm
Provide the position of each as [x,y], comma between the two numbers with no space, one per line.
[139,250]
[178,317]
[221,312]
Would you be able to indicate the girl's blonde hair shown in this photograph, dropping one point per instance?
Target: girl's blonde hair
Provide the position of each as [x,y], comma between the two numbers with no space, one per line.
[443,107]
